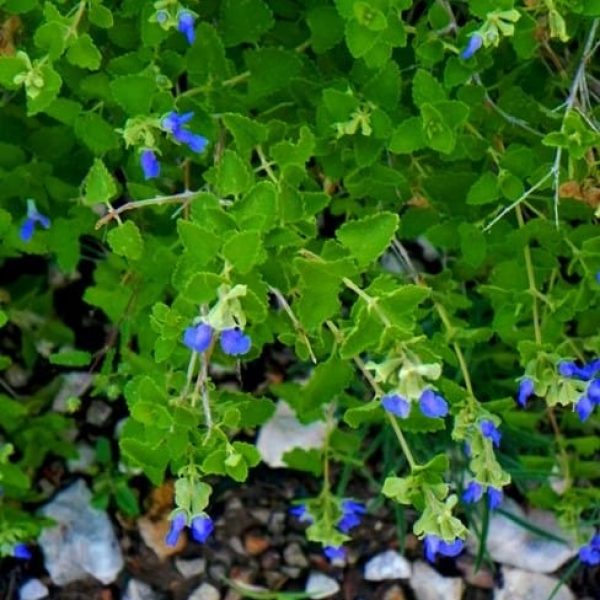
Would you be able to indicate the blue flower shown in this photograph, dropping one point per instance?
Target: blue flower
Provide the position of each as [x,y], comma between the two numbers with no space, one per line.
[149,164]
[490,431]
[185,24]
[195,142]
[301,513]
[593,391]
[435,545]
[351,512]
[495,498]
[334,553]
[202,526]
[173,123]
[590,554]
[178,523]
[568,368]
[525,391]
[396,404]
[433,405]
[584,408]
[473,492]
[198,338]
[33,217]
[21,551]
[475,42]
[234,342]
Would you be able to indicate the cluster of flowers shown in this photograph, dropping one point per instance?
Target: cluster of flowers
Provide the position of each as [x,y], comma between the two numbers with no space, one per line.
[173,123]
[202,526]
[588,372]
[233,341]
[352,513]
[431,404]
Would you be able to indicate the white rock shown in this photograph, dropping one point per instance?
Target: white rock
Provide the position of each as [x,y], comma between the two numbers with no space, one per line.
[524,585]
[428,584]
[387,565]
[205,592]
[75,384]
[511,544]
[82,542]
[190,568]
[321,586]
[283,432]
[86,458]
[33,589]
[138,590]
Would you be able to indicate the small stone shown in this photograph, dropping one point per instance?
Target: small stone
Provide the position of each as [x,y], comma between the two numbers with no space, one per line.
[270,560]
[262,515]
[387,565]
[138,590]
[33,589]
[82,542]
[275,579]
[236,545]
[524,585]
[291,572]
[294,556]
[394,593]
[98,413]
[511,544]
[276,523]
[205,592]
[255,544]
[283,432]
[428,584]
[319,585]
[153,532]
[482,578]
[217,572]
[190,568]
[74,384]
[85,460]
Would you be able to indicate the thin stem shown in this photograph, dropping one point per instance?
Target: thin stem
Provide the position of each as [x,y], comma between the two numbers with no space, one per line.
[266,165]
[236,79]
[205,393]
[371,302]
[190,374]
[295,322]
[113,213]
[532,286]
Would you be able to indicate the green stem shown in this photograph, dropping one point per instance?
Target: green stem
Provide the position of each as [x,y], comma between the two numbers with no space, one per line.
[371,302]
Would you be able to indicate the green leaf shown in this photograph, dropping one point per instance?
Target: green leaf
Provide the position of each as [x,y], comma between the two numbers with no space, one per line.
[231,175]
[426,88]
[258,208]
[370,412]
[206,60]
[304,460]
[326,28]
[200,243]
[3,318]
[202,288]
[246,132]
[71,358]
[99,185]
[243,250]
[96,133]
[438,133]
[360,39]
[126,499]
[126,240]
[472,244]
[484,190]
[408,136]
[100,16]
[245,21]
[134,93]
[270,70]
[369,16]
[41,99]
[10,67]
[84,53]
[367,238]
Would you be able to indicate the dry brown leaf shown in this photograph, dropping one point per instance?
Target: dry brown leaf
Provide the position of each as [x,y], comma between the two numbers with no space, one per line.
[8,31]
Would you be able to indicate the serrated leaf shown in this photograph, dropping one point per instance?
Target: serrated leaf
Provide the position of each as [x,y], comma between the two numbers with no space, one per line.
[134,93]
[96,133]
[367,238]
[126,240]
[231,176]
[201,243]
[245,21]
[304,460]
[326,28]
[367,413]
[243,250]
[426,88]
[84,53]
[408,136]
[44,97]
[99,185]
[484,190]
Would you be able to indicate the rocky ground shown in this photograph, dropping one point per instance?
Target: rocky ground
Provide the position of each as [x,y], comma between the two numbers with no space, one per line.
[256,543]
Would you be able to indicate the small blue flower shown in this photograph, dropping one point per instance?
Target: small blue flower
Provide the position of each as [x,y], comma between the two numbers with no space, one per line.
[433,405]
[473,492]
[174,122]
[495,498]
[568,368]
[198,338]
[301,513]
[475,42]
[584,408]
[490,431]
[334,553]
[396,405]
[351,512]
[194,141]
[178,523]
[149,164]
[234,342]
[435,545]
[202,526]
[162,16]
[185,24]
[526,390]
[33,217]
[21,551]
[590,554]
[593,391]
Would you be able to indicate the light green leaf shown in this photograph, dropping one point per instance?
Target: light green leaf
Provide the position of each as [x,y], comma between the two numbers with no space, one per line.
[99,185]
[126,240]
[71,358]
[245,21]
[84,53]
